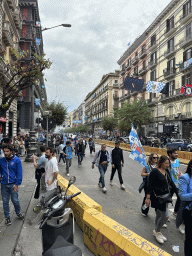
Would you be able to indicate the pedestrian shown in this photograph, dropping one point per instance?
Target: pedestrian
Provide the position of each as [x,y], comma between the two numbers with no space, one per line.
[51,170]
[91,145]
[22,146]
[159,184]
[61,155]
[80,151]
[151,164]
[117,162]
[175,174]
[84,143]
[11,174]
[68,151]
[102,159]
[40,169]
[185,193]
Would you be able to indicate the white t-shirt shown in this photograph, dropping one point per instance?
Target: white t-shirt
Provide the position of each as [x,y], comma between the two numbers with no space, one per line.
[50,168]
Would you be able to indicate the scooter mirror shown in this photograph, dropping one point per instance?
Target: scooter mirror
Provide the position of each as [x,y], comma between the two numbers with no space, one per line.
[72,180]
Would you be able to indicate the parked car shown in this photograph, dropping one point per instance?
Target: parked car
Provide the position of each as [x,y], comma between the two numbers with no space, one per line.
[189,147]
[179,144]
[123,140]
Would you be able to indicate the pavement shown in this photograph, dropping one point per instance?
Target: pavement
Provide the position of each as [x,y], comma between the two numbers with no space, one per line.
[21,238]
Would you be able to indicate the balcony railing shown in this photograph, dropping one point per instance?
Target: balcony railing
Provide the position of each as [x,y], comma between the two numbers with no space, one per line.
[182,67]
[8,39]
[185,41]
[135,60]
[17,18]
[142,71]
[169,73]
[170,30]
[176,93]
[116,84]
[170,51]
[186,16]
[153,46]
[143,54]
[115,96]
[152,64]
[128,66]
[122,71]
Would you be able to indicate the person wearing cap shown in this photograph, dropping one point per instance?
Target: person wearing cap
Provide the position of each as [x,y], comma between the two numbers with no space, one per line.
[117,162]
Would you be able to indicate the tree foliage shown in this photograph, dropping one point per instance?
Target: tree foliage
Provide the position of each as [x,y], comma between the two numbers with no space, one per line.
[19,75]
[137,112]
[79,128]
[109,123]
[59,112]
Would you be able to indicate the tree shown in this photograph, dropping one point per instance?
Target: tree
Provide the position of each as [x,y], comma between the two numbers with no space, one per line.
[137,112]
[108,123]
[19,75]
[59,112]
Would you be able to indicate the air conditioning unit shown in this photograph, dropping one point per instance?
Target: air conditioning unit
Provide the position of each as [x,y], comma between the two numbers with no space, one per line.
[176,115]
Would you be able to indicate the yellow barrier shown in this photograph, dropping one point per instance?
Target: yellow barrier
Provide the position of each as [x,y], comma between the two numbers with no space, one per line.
[80,203]
[183,156]
[104,236]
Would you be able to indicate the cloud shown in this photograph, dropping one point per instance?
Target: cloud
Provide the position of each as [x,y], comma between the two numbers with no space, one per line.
[98,37]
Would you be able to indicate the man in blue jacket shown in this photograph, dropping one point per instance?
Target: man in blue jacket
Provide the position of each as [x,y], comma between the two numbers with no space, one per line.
[10,177]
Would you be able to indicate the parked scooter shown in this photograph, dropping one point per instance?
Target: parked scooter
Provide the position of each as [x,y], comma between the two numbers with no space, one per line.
[57,223]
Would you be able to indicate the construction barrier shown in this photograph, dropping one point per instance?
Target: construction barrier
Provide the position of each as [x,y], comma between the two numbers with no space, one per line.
[79,203]
[183,156]
[104,236]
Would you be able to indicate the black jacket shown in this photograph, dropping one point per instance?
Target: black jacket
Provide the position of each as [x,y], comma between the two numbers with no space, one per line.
[117,156]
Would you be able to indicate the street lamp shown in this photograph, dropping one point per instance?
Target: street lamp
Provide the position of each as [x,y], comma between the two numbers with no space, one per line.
[63,25]
[47,114]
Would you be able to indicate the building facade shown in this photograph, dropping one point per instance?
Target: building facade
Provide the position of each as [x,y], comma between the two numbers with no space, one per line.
[31,40]
[164,53]
[101,101]
[10,28]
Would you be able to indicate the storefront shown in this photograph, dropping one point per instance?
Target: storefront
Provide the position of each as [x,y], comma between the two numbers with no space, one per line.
[187,129]
[173,129]
[2,125]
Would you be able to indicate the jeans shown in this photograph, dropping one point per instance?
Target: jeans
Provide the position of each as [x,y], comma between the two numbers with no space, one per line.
[102,170]
[160,219]
[119,169]
[61,156]
[188,232]
[6,192]
[68,164]
[80,157]
[91,149]
[147,209]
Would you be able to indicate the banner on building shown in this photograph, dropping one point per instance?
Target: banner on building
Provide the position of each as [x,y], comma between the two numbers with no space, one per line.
[77,121]
[133,84]
[186,89]
[38,41]
[37,102]
[38,24]
[187,63]
[155,87]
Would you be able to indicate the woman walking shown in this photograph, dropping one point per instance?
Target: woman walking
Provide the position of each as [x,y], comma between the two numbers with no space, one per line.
[158,194]
[185,193]
[151,164]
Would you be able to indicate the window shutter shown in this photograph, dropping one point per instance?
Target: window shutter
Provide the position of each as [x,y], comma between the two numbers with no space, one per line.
[173,84]
[183,80]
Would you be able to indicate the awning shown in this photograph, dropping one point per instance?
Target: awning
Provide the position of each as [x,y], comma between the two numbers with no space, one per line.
[3,119]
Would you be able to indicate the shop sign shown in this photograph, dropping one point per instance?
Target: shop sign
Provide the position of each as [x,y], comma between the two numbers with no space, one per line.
[3,119]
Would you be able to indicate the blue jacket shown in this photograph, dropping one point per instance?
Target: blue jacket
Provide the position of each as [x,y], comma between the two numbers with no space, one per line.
[11,172]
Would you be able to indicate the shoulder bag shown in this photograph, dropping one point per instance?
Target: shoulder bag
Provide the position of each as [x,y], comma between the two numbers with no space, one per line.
[166,198]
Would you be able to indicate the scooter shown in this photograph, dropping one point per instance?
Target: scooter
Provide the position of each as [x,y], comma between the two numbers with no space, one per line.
[57,223]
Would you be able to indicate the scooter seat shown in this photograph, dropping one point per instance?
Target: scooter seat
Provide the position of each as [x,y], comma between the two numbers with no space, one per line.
[63,248]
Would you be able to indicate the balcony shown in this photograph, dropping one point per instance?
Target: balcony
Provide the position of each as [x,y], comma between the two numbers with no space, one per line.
[152,64]
[135,74]
[123,97]
[176,94]
[115,97]
[116,85]
[185,41]
[135,61]
[170,30]
[169,73]
[128,67]
[153,46]
[185,17]
[12,4]
[170,52]
[122,71]
[143,54]
[142,71]
[183,67]
[188,114]
[17,18]
[6,35]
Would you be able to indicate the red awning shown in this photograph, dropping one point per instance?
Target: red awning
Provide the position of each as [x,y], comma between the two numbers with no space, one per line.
[3,119]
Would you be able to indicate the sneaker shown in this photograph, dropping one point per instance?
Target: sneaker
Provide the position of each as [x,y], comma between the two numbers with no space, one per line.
[111,182]
[37,209]
[104,190]
[164,226]
[68,174]
[168,220]
[174,214]
[158,237]
[163,237]
[8,221]
[122,187]
[100,184]
[20,216]
[144,215]
[182,229]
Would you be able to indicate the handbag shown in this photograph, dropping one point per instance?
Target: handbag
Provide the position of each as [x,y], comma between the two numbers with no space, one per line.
[166,198]
[141,187]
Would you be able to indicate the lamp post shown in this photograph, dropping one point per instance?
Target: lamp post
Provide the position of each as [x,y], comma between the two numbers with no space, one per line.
[32,140]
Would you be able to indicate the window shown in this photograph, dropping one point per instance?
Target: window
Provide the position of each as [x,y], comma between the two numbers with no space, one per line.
[188,30]
[136,70]
[186,8]
[171,64]
[187,79]
[153,40]
[188,107]
[153,75]
[153,57]
[170,44]
[136,54]
[143,48]
[187,55]
[129,62]
[171,87]
[170,24]
[144,64]
[170,111]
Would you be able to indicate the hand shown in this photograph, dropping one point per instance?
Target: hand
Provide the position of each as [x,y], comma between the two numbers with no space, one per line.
[122,165]
[92,166]
[104,162]
[15,187]
[147,201]
[49,182]
[67,155]
[113,166]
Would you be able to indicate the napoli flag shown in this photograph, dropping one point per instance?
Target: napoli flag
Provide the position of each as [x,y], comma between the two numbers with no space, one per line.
[137,151]
[155,87]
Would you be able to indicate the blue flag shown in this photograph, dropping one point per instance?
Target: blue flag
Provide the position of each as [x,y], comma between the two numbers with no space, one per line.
[133,84]
[137,151]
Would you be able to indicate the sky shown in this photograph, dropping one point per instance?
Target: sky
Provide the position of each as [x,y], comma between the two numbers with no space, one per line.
[99,33]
